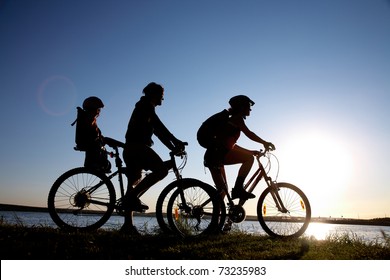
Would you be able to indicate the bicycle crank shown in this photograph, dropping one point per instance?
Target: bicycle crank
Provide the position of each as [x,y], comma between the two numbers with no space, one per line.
[237,213]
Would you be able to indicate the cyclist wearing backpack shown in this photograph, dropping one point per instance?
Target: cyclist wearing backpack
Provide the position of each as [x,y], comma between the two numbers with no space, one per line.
[223,150]
[138,154]
[89,138]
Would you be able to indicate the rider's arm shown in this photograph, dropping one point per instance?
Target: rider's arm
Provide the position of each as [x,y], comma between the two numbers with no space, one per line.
[253,136]
[162,133]
[239,148]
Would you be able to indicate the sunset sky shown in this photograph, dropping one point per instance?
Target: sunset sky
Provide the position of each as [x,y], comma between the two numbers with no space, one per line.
[319,72]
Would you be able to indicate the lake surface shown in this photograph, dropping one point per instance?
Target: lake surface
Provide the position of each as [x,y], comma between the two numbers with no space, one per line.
[320,231]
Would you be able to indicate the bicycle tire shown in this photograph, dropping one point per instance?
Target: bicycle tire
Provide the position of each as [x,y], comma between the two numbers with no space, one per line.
[200,212]
[291,224]
[163,199]
[72,207]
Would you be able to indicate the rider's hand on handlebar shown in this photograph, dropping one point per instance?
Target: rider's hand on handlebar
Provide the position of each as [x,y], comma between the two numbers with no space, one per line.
[179,147]
[269,146]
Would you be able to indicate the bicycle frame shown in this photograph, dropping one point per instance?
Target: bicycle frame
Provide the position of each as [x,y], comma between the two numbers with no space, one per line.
[251,184]
[170,164]
[257,177]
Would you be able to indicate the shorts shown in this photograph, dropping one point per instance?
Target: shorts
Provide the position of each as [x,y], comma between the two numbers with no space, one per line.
[140,157]
[214,157]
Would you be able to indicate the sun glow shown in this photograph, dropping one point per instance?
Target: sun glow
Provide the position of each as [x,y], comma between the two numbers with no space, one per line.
[320,231]
[321,165]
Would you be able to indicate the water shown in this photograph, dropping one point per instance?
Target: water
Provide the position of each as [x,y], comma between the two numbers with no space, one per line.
[319,231]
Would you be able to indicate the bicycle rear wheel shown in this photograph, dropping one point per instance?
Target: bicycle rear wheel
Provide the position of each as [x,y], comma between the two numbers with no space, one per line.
[293,220]
[194,209]
[81,199]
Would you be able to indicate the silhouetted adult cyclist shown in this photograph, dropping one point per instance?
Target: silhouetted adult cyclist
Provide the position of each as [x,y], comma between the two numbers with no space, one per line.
[138,154]
[225,151]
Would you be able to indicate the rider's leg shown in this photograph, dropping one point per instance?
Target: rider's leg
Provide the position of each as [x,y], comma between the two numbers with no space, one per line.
[136,159]
[213,159]
[245,157]
[158,172]
[134,155]
[152,162]
[133,176]
[219,180]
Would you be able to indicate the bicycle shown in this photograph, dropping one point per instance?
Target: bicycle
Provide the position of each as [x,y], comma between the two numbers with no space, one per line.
[84,198]
[283,210]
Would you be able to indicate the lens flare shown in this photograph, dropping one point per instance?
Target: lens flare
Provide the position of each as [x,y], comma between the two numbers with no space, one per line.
[57,95]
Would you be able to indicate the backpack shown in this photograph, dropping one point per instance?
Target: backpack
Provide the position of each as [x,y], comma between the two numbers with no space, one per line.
[81,132]
[211,128]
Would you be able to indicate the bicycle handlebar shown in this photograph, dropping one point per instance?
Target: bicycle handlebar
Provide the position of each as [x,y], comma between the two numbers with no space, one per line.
[113,143]
[264,152]
[179,151]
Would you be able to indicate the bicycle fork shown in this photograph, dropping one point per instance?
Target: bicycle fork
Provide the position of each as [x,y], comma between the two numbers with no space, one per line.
[274,190]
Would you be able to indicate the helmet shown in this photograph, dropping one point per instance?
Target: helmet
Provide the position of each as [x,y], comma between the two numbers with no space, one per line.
[240,100]
[92,103]
[153,89]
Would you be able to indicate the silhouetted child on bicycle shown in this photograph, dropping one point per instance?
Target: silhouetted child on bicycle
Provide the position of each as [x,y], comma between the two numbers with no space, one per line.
[138,154]
[89,138]
[222,149]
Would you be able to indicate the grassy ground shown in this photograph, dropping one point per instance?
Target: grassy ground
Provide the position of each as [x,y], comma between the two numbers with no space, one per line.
[19,242]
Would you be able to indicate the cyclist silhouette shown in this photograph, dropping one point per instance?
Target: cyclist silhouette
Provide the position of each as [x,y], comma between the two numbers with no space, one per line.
[225,151]
[138,154]
[89,138]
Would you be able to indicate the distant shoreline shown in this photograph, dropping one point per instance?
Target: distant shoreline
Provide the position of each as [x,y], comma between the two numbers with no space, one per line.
[22,208]
[369,222]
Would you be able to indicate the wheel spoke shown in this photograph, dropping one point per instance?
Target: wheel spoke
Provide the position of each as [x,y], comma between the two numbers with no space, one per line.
[278,223]
[197,214]
[71,206]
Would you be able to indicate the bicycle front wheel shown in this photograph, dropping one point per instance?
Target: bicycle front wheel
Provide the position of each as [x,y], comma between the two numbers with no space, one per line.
[81,199]
[194,209]
[284,211]
[163,199]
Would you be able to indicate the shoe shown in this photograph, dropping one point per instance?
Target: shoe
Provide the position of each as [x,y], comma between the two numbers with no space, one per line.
[241,193]
[138,206]
[134,203]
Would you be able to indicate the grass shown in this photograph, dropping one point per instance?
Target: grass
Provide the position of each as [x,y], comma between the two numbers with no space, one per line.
[20,242]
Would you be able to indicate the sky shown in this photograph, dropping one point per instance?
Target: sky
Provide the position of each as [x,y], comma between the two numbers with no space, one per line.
[319,72]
